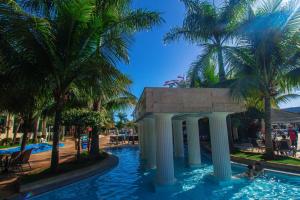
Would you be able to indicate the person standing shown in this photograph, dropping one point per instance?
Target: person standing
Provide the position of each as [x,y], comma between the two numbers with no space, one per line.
[293,136]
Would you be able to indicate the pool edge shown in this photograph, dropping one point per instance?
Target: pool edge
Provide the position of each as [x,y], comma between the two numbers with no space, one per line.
[45,185]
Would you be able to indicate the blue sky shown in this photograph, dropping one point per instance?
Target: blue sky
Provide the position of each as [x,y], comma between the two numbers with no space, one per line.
[151,62]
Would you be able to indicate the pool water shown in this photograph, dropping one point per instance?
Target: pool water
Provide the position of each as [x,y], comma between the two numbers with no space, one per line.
[37,148]
[129,181]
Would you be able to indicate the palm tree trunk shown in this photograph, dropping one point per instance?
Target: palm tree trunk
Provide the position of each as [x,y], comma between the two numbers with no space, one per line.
[35,130]
[268,134]
[16,131]
[44,127]
[78,142]
[222,75]
[24,139]
[55,145]
[62,130]
[95,133]
[8,127]
[94,151]
[27,128]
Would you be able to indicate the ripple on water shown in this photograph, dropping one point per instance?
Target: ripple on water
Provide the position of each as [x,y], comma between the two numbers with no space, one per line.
[129,181]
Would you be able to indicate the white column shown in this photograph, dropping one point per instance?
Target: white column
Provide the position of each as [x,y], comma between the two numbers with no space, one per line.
[193,141]
[164,149]
[142,140]
[178,138]
[220,145]
[145,140]
[150,143]
[139,135]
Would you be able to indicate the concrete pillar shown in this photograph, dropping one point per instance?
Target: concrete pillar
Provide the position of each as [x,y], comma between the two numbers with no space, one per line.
[220,145]
[193,141]
[164,149]
[150,143]
[178,138]
[145,140]
[141,139]
[139,135]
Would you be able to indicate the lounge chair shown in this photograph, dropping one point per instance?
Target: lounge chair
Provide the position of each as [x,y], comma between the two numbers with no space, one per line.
[244,146]
[285,148]
[260,145]
[15,156]
[2,165]
[24,159]
[113,139]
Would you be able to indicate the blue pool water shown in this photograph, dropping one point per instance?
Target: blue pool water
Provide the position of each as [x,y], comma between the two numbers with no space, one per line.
[37,148]
[129,181]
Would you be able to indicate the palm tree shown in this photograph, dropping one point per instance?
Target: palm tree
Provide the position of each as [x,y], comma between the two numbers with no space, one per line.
[268,54]
[21,97]
[200,75]
[77,37]
[107,92]
[211,28]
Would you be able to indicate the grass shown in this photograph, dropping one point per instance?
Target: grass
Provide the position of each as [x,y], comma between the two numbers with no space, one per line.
[258,157]
[9,146]
[65,167]
[14,145]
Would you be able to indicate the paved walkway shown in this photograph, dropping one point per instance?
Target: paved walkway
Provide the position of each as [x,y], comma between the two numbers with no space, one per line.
[41,161]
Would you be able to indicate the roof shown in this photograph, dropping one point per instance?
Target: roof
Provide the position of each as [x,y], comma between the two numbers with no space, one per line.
[292,109]
[281,116]
[181,101]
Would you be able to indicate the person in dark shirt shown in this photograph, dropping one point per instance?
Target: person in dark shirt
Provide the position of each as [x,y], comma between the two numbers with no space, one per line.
[258,169]
[293,136]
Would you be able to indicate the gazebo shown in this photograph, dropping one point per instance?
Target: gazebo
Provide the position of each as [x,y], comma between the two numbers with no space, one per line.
[160,113]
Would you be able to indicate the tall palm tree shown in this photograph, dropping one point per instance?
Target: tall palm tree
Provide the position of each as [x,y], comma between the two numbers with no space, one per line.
[109,95]
[211,28]
[267,55]
[77,37]
[21,90]
[21,97]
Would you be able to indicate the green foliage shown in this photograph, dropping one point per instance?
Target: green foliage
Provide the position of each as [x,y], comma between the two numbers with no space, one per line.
[269,52]
[82,117]
[68,44]
[212,29]
[122,120]
[266,57]
[247,122]
[6,141]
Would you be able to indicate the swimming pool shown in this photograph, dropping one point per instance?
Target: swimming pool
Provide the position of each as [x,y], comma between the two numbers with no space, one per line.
[37,148]
[129,181]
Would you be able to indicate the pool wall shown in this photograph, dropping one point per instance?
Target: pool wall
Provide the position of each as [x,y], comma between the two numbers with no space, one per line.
[52,183]
[269,165]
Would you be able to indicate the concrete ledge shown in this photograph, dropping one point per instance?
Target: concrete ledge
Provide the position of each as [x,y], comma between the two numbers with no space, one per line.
[52,183]
[268,165]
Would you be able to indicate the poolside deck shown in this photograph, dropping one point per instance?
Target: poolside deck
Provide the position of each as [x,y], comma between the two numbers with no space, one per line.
[40,161]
